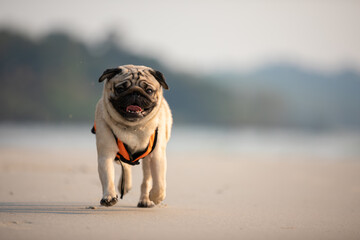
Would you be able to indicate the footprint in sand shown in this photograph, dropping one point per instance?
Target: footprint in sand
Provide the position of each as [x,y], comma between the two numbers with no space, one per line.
[15,224]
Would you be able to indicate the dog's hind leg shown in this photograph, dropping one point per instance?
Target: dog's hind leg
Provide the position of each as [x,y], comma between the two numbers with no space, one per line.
[125,182]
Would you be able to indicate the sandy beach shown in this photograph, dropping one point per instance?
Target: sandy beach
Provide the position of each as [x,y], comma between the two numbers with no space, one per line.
[54,193]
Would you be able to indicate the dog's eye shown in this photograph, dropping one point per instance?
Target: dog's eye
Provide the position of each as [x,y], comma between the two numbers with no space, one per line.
[149,91]
[121,87]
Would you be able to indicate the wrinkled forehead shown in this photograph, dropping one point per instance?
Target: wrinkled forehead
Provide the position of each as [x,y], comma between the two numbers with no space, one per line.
[135,74]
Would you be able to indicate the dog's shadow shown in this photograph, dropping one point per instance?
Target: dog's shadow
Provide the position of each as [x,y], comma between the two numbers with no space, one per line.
[62,208]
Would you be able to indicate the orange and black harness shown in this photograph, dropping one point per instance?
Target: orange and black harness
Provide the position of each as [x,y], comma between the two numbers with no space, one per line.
[125,156]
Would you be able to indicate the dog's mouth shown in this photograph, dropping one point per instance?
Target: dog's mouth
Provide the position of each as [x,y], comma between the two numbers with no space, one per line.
[133,109]
[133,106]
[134,112]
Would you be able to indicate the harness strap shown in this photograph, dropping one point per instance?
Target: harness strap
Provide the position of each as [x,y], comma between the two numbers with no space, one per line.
[122,184]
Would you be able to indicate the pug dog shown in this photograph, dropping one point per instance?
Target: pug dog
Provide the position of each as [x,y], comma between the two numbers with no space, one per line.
[133,121]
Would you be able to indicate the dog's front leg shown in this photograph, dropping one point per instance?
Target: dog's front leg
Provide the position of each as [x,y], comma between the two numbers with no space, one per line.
[106,173]
[146,185]
[158,172]
[106,149]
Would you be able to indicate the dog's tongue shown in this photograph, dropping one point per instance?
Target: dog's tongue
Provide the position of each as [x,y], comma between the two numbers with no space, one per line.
[133,108]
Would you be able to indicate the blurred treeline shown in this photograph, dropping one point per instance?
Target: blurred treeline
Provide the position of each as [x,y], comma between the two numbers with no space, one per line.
[54,79]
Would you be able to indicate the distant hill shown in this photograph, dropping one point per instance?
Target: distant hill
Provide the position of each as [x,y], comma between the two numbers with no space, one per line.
[287,95]
[55,79]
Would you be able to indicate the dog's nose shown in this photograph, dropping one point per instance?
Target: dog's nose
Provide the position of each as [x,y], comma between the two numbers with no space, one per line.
[136,94]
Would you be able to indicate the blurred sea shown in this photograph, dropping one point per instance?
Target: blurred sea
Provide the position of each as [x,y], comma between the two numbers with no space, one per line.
[339,144]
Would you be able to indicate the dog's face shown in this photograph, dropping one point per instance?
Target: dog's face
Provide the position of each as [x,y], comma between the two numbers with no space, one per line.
[133,91]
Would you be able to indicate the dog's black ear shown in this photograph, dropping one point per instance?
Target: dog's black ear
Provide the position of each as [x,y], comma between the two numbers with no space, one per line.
[160,78]
[109,74]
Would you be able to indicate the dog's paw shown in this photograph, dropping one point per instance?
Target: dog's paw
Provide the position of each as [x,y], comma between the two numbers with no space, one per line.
[109,201]
[157,196]
[146,204]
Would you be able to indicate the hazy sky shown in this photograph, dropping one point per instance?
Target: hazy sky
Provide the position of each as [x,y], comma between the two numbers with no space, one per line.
[207,35]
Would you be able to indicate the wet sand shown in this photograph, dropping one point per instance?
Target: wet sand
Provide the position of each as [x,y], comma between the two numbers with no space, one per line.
[55,194]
